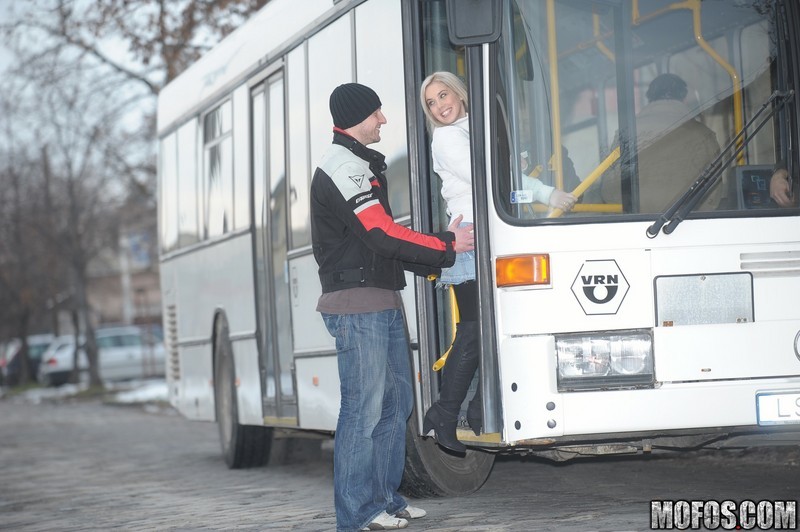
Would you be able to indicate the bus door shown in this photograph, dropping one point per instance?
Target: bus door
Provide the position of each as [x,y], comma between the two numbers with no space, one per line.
[270,245]
[442,50]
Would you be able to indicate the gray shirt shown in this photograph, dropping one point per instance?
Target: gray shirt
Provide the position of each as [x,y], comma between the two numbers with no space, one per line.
[359,300]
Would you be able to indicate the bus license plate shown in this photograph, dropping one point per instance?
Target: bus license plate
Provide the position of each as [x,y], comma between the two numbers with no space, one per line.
[778,408]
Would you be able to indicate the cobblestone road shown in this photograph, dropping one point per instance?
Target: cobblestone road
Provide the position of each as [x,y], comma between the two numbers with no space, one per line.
[89,466]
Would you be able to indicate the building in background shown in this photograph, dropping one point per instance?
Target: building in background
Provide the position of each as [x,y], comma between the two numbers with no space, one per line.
[124,282]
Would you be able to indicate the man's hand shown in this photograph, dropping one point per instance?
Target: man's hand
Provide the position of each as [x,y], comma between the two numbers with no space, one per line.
[780,189]
[465,239]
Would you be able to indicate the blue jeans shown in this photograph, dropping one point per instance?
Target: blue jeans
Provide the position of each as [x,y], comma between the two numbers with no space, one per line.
[377,398]
[461,271]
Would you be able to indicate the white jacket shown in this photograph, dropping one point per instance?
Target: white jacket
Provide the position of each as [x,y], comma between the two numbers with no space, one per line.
[451,161]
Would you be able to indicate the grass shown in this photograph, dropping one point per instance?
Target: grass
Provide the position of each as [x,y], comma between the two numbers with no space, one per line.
[81,391]
[20,388]
[92,392]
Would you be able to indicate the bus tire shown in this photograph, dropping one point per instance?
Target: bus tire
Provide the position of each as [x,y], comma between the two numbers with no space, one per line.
[431,471]
[242,445]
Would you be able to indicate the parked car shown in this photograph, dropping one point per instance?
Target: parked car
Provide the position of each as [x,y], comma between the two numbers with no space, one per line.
[57,361]
[11,362]
[129,352]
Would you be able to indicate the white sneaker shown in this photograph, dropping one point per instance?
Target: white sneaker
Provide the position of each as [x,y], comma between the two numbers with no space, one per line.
[384,521]
[411,512]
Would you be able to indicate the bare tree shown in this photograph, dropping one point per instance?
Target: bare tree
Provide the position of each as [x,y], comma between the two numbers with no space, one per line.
[132,46]
[80,131]
[161,38]
[69,138]
[16,280]
[84,88]
[26,283]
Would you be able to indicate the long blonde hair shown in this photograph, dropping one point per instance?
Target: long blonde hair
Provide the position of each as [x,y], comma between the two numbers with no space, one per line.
[452,82]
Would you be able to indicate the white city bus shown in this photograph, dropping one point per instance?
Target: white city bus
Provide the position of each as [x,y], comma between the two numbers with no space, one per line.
[642,320]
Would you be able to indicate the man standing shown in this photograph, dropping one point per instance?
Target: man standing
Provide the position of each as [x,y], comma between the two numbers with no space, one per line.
[362,254]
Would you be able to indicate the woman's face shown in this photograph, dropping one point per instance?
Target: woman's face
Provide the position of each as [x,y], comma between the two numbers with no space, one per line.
[443,103]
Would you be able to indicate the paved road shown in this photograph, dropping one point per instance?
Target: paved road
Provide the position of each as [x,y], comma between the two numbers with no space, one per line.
[89,466]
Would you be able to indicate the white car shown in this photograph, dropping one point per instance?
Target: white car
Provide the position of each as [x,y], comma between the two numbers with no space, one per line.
[128,352]
[57,361]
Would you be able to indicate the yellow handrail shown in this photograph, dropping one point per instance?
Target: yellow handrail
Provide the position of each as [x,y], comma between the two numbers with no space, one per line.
[455,318]
[591,178]
[552,49]
[598,39]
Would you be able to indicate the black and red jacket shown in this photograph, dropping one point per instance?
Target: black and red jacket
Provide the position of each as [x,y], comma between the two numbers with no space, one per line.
[355,239]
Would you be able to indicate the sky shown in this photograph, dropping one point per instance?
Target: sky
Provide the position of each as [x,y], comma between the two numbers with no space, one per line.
[116,49]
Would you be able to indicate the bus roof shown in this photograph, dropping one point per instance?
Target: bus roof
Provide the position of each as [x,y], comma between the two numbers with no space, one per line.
[254,43]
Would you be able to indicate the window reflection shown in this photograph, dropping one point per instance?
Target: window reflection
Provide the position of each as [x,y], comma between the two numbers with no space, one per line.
[169,193]
[438,55]
[187,184]
[378,46]
[261,234]
[278,232]
[219,170]
[299,172]
[240,198]
[329,65]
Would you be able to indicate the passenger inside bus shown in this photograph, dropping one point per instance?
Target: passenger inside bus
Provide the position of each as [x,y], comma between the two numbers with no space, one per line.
[444,101]
[673,150]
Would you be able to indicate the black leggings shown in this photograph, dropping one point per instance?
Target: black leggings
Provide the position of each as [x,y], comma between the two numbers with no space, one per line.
[467,300]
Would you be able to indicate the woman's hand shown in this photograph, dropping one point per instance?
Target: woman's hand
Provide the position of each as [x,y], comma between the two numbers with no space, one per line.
[562,200]
[465,239]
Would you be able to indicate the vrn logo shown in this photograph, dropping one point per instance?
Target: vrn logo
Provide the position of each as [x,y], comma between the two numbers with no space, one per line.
[607,283]
[600,287]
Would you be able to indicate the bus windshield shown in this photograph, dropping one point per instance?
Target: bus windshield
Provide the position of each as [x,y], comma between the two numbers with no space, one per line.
[627,104]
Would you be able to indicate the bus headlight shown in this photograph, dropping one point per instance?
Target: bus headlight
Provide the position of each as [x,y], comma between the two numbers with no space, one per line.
[604,360]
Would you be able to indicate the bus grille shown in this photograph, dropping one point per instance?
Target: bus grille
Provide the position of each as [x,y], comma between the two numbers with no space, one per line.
[174,366]
[771,264]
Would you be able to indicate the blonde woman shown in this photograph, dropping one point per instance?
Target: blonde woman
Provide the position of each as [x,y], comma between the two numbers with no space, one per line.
[445,103]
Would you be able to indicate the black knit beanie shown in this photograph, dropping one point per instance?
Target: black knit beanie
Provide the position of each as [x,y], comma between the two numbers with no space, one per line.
[351,103]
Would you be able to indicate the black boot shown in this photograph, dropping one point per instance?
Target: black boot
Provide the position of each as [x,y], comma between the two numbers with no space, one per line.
[475,412]
[458,374]
[444,426]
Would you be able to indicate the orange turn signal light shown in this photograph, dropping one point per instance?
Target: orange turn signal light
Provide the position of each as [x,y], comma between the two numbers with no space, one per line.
[523,270]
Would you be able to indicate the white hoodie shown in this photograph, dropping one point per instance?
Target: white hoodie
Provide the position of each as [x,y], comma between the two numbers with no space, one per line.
[451,160]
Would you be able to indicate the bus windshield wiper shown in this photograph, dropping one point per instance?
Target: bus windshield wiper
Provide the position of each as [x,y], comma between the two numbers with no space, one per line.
[676,213]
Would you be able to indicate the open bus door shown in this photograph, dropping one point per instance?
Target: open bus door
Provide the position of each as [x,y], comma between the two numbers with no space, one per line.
[430,470]
[477,33]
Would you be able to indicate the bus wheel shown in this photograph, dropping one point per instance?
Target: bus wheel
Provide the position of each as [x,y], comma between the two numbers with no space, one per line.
[433,472]
[242,445]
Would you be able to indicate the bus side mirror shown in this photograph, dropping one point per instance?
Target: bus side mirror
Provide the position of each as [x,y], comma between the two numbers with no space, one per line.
[474,21]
